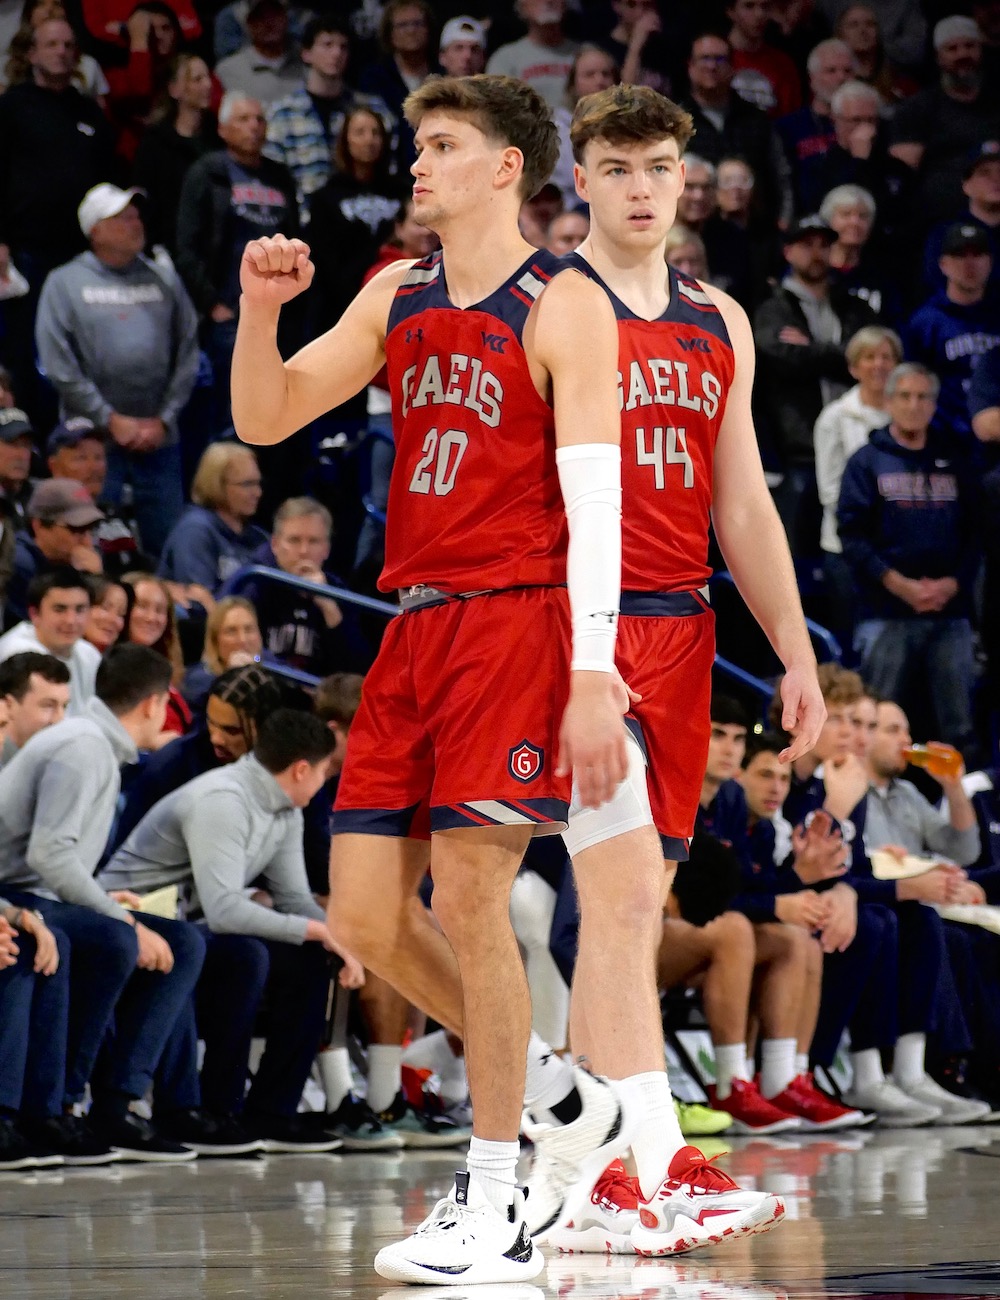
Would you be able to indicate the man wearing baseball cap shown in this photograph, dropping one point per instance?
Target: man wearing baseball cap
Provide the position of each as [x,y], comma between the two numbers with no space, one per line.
[62,516]
[801,332]
[935,130]
[15,464]
[462,52]
[16,442]
[981,187]
[117,337]
[77,449]
[957,325]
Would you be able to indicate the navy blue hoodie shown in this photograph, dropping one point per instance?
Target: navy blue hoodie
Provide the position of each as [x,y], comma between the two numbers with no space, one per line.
[949,338]
[912,511]
[294,630]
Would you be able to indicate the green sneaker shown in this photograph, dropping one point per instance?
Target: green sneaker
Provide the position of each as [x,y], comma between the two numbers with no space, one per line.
[701,1121]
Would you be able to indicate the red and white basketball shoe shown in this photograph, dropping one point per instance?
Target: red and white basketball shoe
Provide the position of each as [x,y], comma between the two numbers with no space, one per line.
[698,1204]
[604,1225]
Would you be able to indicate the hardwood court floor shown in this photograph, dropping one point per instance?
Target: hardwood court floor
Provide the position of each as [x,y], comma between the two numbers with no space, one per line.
[901,1214]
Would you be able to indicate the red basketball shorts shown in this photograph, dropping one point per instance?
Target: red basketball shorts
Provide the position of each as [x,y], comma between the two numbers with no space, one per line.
[666,648]
[460,713]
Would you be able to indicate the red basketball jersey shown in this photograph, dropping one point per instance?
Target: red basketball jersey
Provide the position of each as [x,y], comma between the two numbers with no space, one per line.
[474,501]
[674,375]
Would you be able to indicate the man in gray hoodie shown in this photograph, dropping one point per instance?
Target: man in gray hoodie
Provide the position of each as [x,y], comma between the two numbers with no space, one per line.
[117,335]
[215,837]
[57,801]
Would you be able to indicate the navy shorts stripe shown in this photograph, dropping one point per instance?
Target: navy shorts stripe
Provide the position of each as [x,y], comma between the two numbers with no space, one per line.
[675,850]
[545,813]
[395,822]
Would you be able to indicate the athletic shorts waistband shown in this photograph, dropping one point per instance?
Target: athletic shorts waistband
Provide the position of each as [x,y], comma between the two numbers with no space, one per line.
[422,596]
[665,604]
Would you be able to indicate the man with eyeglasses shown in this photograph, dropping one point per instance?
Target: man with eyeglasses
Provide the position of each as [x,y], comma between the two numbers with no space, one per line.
[62,515]
[727,125]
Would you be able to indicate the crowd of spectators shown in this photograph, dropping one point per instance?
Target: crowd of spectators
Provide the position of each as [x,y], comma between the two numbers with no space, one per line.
[843,184]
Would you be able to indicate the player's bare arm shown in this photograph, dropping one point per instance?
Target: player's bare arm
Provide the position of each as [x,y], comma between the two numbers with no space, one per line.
[754,545]
[273,398]
[575,338]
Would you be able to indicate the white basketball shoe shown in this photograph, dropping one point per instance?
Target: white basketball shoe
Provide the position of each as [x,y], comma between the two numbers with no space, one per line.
[464,1241]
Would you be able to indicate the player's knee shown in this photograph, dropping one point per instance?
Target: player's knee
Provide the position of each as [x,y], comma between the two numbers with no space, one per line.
[730,932]
[365,930]
[630,910]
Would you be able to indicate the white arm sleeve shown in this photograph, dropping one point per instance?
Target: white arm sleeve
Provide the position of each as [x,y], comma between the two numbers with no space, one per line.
[590,475]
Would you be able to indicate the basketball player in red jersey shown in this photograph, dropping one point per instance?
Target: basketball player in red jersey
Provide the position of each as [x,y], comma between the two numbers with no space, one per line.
[689,458]
[503,384]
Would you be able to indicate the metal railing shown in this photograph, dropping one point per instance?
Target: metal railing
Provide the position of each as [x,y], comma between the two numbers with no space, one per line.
[239,580]
[818,633]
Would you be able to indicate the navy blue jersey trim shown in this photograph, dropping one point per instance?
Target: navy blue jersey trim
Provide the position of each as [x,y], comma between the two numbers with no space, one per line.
[684,308]
[509,303]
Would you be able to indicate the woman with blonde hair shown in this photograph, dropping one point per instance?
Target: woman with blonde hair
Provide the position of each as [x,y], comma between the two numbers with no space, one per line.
[232,640]
[843,426]
[215,536]
[685,252]
[181,130]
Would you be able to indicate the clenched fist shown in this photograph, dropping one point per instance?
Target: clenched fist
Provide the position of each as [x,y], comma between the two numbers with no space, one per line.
[275,270]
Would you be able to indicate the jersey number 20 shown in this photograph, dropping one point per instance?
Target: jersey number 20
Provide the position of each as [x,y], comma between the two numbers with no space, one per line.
[669,451]
[438,464]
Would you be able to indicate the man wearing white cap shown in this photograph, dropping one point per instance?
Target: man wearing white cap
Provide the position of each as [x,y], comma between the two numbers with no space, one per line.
[462,51]
[936,130]
[117,337]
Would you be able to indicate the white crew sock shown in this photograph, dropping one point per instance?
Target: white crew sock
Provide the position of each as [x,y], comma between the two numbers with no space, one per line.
[549,1078]
[385,1075]
[801,1063]
[867,1068]
[335,1073]
[730,1064]
[493,1165]
[777,1065]
[908,1058]
[651,1119]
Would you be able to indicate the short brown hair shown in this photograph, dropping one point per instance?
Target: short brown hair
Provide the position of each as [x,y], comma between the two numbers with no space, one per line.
[338,698]
[838,685]
[504,109]
[628,115]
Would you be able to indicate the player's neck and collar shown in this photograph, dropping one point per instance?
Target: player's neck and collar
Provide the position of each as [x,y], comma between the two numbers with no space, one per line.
[476,263]
[639,279]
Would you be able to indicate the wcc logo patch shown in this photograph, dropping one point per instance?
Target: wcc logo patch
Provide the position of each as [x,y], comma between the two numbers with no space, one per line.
[525,761]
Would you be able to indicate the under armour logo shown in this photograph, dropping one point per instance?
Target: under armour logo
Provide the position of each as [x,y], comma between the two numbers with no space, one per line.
[495,342]
[414,336]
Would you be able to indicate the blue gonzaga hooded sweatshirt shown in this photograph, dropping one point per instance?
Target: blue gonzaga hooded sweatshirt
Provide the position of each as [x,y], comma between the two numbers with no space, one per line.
[912,511]
[949,338]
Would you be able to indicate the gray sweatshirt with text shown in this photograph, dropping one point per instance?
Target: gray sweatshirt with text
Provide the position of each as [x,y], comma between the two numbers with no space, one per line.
[217,834]
[119,340]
